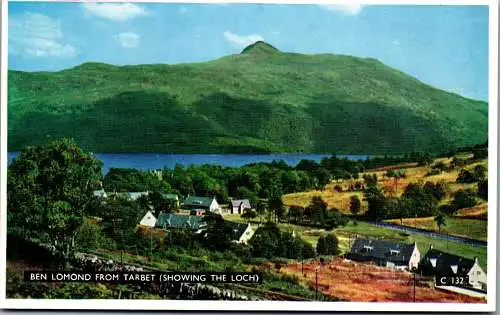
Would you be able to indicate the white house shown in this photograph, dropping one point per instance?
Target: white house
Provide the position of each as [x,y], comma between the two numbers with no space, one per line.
[440,263]
[239,206]
[202,203]
[148,220]
[243,232]
[387,254]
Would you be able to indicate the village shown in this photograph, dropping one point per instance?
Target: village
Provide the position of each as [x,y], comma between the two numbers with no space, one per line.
[333,230]
[446,271]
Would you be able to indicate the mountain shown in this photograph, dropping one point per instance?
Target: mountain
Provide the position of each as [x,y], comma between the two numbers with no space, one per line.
[261,100]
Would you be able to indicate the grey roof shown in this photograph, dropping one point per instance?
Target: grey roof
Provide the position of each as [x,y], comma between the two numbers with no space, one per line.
[198,202]
[367,250]
[443,263]
[238,228]
[172,220]
[136,195]
[244,203]
[170,196]
[100,193]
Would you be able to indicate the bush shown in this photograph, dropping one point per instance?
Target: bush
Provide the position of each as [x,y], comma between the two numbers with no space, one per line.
[89,236]
[463,199]
[338,188]
[433,171]
[482,189]
[481,154]
[328,245]
[447,209]
[249,214]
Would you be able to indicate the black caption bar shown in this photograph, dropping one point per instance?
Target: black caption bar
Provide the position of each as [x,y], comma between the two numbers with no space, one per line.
[143,277]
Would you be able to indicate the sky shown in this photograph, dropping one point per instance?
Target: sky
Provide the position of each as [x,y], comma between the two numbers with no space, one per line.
[444,46]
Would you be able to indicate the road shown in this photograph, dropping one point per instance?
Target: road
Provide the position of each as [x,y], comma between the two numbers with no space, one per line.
[453,238]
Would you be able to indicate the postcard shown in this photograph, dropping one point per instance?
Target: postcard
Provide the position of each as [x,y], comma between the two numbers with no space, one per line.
[285,155]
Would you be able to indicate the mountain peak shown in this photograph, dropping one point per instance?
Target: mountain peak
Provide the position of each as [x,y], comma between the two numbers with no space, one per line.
[260,47]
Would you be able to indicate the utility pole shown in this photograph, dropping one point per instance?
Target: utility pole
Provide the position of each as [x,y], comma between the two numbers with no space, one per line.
[414,276]
[316,295]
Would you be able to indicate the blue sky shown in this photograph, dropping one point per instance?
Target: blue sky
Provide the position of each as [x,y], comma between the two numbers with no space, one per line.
[445,46]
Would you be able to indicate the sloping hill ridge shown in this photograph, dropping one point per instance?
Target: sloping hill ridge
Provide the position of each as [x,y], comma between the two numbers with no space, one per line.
[262,100]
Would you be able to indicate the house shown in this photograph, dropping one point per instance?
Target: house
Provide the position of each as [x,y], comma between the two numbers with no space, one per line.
[243,232]
[176,221]
[172,198]
[202,203]
[387,254]
[132,196]
[100,193]
[438,263]
[136,195]
[238,206]
[148,220]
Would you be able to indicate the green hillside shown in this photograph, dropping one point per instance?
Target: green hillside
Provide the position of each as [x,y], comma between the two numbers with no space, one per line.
[261,100]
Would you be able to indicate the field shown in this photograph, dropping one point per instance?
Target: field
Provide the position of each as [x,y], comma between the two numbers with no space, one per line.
[348,233]
[340,200]
[423,242]
[368,283]
[472,228]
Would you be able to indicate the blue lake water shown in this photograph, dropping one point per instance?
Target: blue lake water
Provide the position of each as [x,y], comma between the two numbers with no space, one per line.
[148,161]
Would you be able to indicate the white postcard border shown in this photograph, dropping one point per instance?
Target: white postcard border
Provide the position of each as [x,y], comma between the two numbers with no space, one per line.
[273,305]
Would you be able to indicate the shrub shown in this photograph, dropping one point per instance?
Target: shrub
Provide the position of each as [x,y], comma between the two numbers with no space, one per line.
[482,189]
[328,245]
[463,199]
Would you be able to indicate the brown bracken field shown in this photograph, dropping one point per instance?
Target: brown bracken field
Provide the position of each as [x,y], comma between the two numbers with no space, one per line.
[360,282]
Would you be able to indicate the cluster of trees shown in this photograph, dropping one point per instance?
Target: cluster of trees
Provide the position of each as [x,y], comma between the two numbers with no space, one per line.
[50,192]
[328,245]
[316,214]
[476,175]
[418,200]
[269,242]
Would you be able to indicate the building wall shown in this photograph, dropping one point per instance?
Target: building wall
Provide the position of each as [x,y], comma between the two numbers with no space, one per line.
[247,235]
[415,259]
[477,277]
[148,220]
[215,207]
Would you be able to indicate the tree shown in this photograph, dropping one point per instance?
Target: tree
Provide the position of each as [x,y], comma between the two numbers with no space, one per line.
[438,190]
[318,208]
[440,221]
[120,218]
[463,199]
[323,177]
[370,180]
[354,205]
[481,154]
[376,201]
[328,245]
[418,201]
[278,207]
[50,191]
[218,235]
[482,189]
[479,172]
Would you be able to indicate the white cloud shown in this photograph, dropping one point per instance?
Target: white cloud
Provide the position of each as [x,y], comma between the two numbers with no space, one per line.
[128,40]
[114,11]
[183,10]
[38,35]
[241,40]
[396,42]
[275,32]
[349,9]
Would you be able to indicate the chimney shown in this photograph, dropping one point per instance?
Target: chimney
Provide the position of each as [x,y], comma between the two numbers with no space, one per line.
[431,247]
[475,260]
